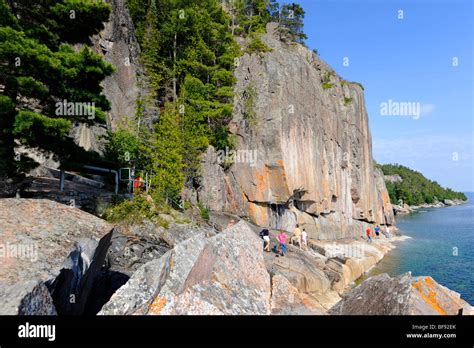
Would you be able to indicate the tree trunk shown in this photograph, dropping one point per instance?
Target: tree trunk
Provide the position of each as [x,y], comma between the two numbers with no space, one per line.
[174,67]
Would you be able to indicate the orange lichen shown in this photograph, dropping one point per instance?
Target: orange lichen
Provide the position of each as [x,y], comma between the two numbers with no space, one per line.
[257,214]
[261,179]
[157,305]
[426,288]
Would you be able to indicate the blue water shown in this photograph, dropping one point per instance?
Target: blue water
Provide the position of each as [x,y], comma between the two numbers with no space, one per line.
[442,247]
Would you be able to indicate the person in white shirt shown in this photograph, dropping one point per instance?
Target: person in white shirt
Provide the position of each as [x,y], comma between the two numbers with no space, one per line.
[304,239]
[266,243]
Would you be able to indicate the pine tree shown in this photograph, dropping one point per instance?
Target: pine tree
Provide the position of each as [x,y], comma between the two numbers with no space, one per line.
[252,16]
[291,23]
[164,159]
[39,69]
[189,54]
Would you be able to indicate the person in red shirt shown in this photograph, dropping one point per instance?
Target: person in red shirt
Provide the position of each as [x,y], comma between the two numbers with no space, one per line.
[367,232]
[137,183]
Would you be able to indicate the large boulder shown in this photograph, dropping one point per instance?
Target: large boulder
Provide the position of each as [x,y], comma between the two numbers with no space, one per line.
[223,274]
[47,244]
[402,295]
[30,297]
[133,245]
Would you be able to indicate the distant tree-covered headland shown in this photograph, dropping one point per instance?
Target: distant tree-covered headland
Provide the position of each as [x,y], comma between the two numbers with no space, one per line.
[412,188]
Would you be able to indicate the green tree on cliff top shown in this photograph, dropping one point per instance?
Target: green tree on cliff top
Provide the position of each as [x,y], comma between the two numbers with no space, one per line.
[290,23]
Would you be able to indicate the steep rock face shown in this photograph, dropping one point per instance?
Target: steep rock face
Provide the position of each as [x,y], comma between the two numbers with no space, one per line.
[118,44]
[127,86]
[313,146]
[213,180]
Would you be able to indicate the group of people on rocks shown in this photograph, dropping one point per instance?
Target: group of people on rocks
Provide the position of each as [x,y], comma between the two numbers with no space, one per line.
[299,237]
[369,234]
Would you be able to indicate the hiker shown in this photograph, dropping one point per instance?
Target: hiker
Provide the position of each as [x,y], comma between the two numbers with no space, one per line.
[137,184]
[304,239]
[296,236]
[282,240]
[377,231]
[367,232]
[265,235]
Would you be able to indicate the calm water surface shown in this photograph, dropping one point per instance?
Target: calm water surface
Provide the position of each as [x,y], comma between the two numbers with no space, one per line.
[442,246]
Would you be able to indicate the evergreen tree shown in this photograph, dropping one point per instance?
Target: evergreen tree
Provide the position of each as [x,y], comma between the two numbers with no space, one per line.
[39,69]
[251,16]
[189,53]
[291,23]
[162,157]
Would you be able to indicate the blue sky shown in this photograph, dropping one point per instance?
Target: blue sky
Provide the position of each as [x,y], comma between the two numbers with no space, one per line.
[407,60]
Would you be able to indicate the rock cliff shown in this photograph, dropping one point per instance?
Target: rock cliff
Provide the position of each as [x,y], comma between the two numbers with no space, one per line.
[304,151]
[308,129]
[127,86]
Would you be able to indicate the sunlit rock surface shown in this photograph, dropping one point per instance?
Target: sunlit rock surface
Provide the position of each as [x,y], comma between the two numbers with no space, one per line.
[313,162]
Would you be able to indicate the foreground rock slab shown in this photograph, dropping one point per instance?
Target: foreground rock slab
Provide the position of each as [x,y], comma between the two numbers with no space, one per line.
[402,295]
[224,274]
[47,244]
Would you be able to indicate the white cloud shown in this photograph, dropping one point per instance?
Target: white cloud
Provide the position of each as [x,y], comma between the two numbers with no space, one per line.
[426,109]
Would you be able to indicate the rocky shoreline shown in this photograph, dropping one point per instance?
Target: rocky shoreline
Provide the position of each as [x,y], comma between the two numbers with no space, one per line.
[407,209]
[190,269]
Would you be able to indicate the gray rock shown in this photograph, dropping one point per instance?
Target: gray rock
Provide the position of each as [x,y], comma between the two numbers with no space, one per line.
[133,246]
[29,297]
[128,84]
[304,155]
[393,178]
[287,300]
[399,210]
[223,274]
[212,191]
[70,289]
[402,295]
[53,245]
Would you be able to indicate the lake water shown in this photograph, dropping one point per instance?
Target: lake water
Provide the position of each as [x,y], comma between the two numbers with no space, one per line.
[442,246]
